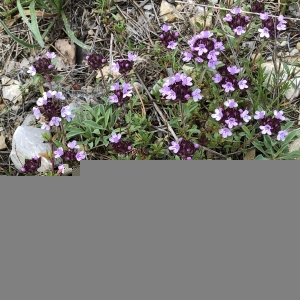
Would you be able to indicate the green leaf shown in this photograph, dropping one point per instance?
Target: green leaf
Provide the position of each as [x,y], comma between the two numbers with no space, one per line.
[35,26]
[74,132]
[71,34]
[291,155]
[96,131]
[260,157]
[257,145]
[21,42]
[92,124]
[268,142]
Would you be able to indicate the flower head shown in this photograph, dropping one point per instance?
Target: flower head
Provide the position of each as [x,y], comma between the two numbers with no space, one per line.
[115,138]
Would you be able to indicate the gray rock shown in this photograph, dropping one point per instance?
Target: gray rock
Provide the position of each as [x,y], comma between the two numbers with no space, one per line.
[29,120]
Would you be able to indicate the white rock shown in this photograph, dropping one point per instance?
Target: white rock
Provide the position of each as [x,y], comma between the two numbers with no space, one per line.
[28,142]
[291,92]
[283,44]
[29,120]
[10,89]
[294,52]
[169,13]
[148,7]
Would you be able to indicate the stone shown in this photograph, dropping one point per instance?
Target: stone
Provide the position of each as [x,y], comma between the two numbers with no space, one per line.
[148,7]
[139,87]
[28,142]
[29,120]
[169,13]
[2,142]
[256,57]
[250,155]
[294,52]
[298,46]
[294,9]
[11,89]
[291,92]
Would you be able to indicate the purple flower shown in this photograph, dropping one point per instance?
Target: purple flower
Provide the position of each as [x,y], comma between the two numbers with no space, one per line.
[55,121]
[266,129]
[80,155]
[243,84]
[212,63]
[231,103]
[115,137]
[165,28]
[225,132]
[281,26]
[172,45]
[228,86]
[217,78]
[196,95]
[59,152]
[50,55]
[187,56]
[236,10]
[231,122]
[264,32]
[175,147]
[66,112]
[281,135]
[264,16]
[59,95]
[177,88]
[45,126]
[228,18]
[132,57]
[279,115]
[259,115]
[218,114]
[62,168]
[73,145]
[244,115]
[233,70]
[32,70]
[37,113]
[239,30]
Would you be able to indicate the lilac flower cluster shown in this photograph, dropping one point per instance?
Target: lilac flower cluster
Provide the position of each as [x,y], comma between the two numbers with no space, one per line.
[31,165]
[118,145]
[95,61]
[43,66]
[204,47]
[179,88]
[123,66]
[49,109]
[269,25]
[184,148]
[69,155]
[230,117]
[236,21]
[226,76]
[122,93]
[168,38]
[271,125]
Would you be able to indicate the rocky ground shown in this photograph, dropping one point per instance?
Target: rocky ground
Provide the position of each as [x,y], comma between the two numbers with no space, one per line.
[137,21]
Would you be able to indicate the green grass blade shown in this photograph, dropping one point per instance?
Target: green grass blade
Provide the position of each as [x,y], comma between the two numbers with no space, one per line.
[35,27]
[21,42]
[71,34]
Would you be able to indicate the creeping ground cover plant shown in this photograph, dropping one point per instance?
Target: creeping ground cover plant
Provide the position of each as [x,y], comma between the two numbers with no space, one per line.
[175,92]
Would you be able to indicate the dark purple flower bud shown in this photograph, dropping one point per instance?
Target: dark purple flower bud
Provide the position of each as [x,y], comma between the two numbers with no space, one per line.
[95,61]
[187,148]
[121,147]
[42,67]
[51,109]
[257,7]
[31,165]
